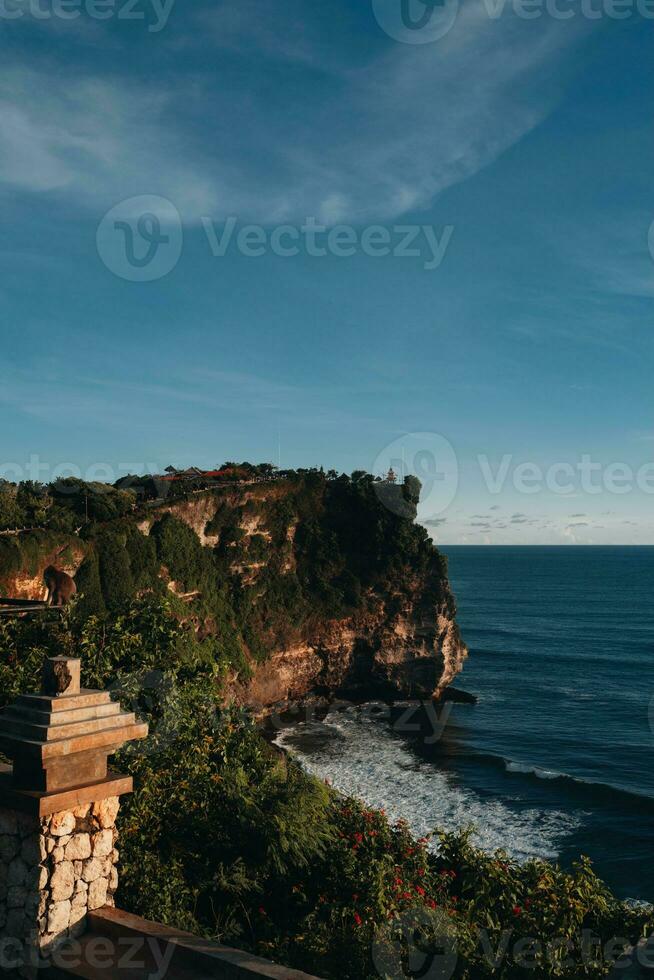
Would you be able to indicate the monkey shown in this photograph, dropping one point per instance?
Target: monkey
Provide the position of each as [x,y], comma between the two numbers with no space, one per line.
[61,587]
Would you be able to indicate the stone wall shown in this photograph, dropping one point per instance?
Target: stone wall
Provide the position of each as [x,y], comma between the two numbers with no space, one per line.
[53,870]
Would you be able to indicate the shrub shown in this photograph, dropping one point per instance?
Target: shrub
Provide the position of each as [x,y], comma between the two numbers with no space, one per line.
[179,549]
[226,838]
[91,601]
[115,570]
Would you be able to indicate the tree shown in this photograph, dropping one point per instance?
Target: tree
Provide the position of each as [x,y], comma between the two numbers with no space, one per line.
[11,515]
[115,569]
[89,588]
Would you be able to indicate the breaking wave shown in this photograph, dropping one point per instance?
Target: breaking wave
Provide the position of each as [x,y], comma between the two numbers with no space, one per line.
[361,758]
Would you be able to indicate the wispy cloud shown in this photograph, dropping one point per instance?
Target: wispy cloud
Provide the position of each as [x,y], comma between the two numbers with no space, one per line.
[380,139]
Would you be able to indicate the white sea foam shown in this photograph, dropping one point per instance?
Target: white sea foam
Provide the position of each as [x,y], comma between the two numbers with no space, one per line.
[361,758]
[533,770]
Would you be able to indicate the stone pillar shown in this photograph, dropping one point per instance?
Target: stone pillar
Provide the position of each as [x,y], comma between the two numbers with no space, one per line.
[58,809]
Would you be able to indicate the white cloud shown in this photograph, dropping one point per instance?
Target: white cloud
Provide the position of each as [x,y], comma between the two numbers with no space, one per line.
[374,141]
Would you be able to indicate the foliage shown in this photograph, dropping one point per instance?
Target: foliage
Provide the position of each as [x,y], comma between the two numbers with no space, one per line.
[114,567]
[24,644]
[220,811]
[28,552]
[91,501]
[179,549]
[64,505]
[322,547]
[89,588]
[10,512]
[144,566]
[378,887]
[228,839]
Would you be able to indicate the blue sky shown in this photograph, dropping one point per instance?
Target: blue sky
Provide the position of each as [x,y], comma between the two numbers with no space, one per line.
[530,139]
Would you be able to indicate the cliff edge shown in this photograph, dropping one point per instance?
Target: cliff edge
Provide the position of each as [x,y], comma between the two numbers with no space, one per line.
[303,585]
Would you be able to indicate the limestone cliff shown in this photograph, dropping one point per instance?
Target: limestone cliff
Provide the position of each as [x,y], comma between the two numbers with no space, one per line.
[308,586]
[405,644]
[24,558]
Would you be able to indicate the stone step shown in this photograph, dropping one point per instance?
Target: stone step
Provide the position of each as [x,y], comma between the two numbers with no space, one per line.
[34,717]
[111,738]
[67,702]
[55,732]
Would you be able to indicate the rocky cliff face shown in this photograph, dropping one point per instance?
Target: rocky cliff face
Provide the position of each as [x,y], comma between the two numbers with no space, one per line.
[25,557]
[405,644]
[328,591]
[404,641]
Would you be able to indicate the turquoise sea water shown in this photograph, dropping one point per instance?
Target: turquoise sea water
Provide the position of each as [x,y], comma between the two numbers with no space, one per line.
[557,757]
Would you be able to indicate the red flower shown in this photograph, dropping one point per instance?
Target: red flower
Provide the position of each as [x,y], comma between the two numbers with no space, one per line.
[358,919]
[262,911]
[421,891]
[517,910]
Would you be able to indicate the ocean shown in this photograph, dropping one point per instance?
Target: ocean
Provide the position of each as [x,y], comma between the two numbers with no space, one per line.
[556,758]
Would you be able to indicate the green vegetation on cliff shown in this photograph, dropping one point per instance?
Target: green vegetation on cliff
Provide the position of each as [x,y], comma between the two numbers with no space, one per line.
[228,839]
[223,835]
[280,556]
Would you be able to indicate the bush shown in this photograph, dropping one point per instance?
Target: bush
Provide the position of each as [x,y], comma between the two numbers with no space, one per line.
[144,564]
[179,549]
[228,839]
[115,569]
[89,588]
